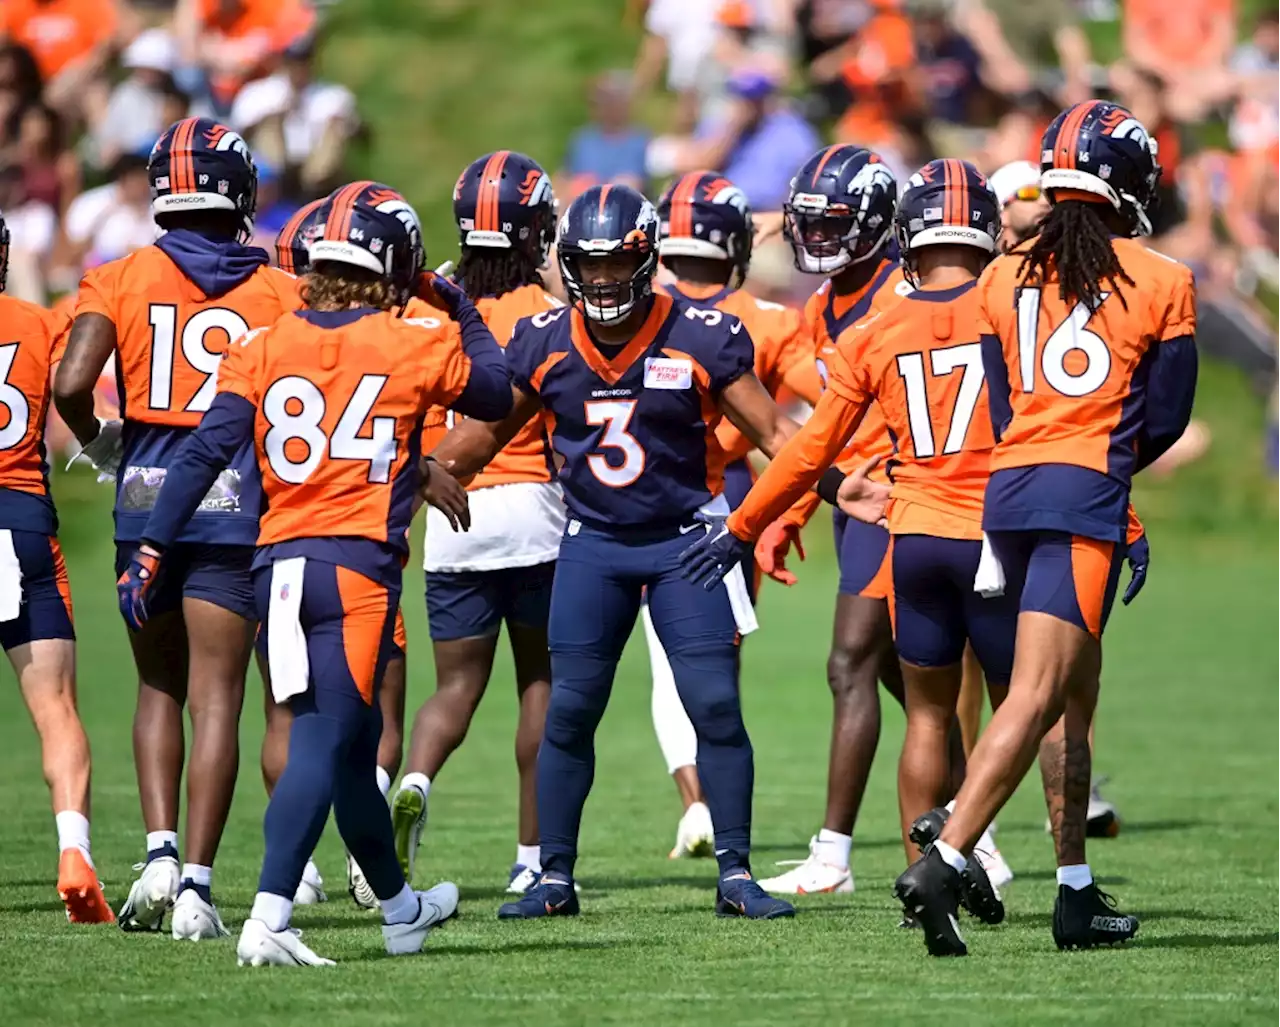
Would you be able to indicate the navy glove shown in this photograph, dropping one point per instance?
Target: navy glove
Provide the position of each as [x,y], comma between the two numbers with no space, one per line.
[714,555]
[448,294]
[1139,557]
[134,583]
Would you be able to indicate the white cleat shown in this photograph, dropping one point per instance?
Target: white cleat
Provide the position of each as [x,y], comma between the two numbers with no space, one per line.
[358,885]
[259,946]
[810,876]
[988,854]
[151,895]
[196,920]
[311,888]
[434,907]
[1102,820]
[695,837]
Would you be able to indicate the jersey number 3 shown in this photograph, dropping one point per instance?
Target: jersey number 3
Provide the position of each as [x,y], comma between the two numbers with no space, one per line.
[615,415]
[295,407]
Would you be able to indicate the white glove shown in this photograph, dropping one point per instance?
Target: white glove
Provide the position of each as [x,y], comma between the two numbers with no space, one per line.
[445,269]
[105,451]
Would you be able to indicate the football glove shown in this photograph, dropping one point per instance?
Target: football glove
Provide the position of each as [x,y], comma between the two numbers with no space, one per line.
[714,555]
[105,451]
[1139,558]
[134,583]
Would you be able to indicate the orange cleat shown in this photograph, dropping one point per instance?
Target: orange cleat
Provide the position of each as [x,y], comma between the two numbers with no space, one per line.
[78,887]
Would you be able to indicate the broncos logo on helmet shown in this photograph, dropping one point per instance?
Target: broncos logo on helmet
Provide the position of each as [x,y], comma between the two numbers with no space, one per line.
[947,202]
[199,164]
[503,200]
[702,214]
[1099,151]
[371,226]
[840,209]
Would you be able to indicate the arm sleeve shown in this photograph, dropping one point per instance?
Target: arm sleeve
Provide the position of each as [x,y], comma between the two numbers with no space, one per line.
[800,463]
[226,426]
[997,375]
[1171,391]
[476,382]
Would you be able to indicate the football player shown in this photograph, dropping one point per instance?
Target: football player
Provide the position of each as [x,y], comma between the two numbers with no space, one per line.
[291,256]
[501,570]
[168,312]
[36,627]
[331,401]
[920,363]
[704,240]
[838,219]
[633,385]
[1089,348]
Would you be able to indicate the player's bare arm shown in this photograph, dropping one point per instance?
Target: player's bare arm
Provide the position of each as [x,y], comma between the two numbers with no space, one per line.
[754,413]
[93,339]
[470,445]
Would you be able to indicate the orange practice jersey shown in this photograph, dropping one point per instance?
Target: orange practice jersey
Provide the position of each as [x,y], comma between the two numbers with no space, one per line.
[35,341]
[921,363]
[1072,375]
[339,414]
[784,351]
[170,336]
[525,457]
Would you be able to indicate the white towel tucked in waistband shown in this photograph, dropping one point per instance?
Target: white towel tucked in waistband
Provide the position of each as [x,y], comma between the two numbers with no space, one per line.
[989,581]
[286,644]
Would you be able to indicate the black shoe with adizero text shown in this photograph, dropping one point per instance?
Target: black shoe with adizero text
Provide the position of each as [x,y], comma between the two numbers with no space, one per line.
[929,891]
[978,896]
[1088,918]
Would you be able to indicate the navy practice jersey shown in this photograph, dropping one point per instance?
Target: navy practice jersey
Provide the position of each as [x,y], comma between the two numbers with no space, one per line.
[633,426]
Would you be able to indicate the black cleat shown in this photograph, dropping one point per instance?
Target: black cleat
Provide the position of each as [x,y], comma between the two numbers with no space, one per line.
[978,896]
[929,891]
[1088,918]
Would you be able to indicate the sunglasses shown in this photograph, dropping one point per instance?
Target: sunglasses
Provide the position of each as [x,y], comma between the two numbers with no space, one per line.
[1026,192]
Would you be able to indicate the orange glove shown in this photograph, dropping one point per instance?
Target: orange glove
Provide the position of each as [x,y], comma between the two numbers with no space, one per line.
[772,548]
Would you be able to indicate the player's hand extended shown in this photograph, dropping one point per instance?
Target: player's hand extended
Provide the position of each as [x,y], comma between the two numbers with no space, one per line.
[1139,557]
[861,498]
[772,549]
[437,289]
[134,583]
[442,490]
[714,555]
[104,451]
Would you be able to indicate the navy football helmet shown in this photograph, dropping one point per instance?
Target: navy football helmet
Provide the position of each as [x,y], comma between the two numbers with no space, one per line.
[199,164]
[703,214]
[371,226]
[4,253]
[840,209]
[946,202]
[298,233]
[503,200]
[1099,151]
[607,220]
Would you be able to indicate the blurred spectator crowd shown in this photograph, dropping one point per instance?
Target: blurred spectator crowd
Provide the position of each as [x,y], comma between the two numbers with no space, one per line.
[751,87]
[87,86]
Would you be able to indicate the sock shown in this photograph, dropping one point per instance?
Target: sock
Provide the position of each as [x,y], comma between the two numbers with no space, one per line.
[1077,877]
[833,848]
[162,843]
[199,878]
[384,782]
[402,908]
[951,857]
[73,832]
[273,910]
[418,781]
[530,856]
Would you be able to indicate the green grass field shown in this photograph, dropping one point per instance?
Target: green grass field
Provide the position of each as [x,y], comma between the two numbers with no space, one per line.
[1187,732]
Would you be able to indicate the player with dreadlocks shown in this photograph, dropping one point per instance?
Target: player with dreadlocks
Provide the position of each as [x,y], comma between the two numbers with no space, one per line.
[1091,377]
[501,570]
